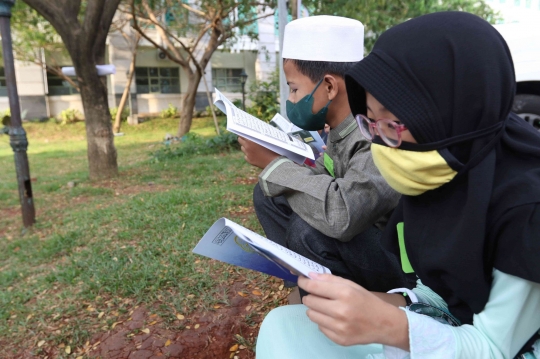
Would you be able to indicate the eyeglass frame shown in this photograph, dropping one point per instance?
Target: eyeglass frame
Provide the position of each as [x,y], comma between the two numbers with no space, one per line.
[373,129]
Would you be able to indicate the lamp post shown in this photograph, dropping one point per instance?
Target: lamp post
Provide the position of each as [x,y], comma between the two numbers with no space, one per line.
[243,79]
[17,135]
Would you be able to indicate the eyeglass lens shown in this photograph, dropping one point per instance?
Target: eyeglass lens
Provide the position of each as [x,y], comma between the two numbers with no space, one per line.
[385,128]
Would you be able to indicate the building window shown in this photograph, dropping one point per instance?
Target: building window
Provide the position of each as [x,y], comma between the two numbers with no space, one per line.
[157,79]
[59,86]
[3,84]
[517,2]
[227,80]
[528,4]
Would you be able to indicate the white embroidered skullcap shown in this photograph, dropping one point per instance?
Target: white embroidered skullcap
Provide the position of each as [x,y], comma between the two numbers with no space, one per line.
[324,38]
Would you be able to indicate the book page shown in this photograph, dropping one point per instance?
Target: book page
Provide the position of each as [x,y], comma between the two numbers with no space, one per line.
[250,127]
[232,243]
[282,123]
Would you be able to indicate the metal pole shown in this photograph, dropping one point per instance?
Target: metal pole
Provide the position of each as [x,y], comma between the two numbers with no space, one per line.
[17,135]
[243,96]
[283,87]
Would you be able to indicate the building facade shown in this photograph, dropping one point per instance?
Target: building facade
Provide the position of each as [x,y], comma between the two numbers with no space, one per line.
[158,81]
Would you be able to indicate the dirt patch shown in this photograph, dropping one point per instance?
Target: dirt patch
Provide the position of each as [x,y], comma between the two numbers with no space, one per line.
[227,331]
[241,212]
[8,215]
[124,188]
[250,180]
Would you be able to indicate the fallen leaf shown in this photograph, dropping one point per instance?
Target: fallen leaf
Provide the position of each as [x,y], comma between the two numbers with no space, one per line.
[188,327]
[241,347]
[168,342]
[256,292]
[68,350]
[281,287]
[100,315]
[154,322]
[242,294]
[190,295]
[217,306]
[115,324]
[29,316]
[79,357]
[197,326]
[40,344]
[180,316]
[146,330]
[234,348]
[248,308]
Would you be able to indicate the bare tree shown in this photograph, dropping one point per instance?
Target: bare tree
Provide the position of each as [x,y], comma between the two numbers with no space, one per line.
[83,27]
[36,41]
[132,39]
[191,32]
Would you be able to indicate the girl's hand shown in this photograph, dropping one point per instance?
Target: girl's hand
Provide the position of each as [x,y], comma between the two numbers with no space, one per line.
[349,314]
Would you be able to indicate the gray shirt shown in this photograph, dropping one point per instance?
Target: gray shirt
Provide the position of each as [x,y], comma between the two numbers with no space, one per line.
[341,206]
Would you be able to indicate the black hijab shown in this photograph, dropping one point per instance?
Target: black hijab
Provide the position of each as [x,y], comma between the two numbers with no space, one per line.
[449,78]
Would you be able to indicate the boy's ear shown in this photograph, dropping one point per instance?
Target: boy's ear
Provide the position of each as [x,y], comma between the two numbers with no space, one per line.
[331,86]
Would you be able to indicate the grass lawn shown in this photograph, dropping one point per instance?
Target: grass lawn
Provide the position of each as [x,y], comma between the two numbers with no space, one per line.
[112,259]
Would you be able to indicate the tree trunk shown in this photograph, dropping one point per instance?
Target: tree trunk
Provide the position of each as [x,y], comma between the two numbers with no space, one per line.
[127,92]
[101,151]
[86,44]
[188,103]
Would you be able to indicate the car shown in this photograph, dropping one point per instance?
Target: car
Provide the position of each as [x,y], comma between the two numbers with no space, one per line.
[523,39]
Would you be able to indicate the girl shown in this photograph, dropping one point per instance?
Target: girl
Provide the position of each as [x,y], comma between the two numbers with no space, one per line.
[434,96]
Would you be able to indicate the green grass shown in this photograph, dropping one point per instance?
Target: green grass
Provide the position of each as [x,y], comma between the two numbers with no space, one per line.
[103,246]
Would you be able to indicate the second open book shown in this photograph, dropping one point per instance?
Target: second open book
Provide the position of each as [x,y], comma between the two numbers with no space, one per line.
[234,244]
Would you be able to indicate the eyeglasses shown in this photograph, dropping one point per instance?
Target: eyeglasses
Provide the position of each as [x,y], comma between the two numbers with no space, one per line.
[388,130]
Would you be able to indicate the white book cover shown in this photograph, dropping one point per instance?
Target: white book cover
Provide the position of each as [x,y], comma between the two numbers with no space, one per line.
[234,244]
[250,127]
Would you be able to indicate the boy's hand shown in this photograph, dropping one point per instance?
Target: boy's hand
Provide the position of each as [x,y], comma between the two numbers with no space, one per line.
[255,154]
[349,315]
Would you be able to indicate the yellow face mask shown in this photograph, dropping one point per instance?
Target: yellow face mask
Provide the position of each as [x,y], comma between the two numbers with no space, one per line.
[410,172]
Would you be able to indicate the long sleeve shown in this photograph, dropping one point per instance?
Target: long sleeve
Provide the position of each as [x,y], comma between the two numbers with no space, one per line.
[510,318]
[340,206]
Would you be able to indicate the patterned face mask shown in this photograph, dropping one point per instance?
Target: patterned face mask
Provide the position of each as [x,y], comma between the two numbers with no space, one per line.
[410,172]
[301,115]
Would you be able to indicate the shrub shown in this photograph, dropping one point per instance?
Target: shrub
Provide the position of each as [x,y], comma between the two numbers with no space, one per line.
[264,96]
[114,111]
[193,144]
[70,115]
[169,112]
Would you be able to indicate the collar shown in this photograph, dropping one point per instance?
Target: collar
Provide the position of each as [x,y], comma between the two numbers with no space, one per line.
[343,129]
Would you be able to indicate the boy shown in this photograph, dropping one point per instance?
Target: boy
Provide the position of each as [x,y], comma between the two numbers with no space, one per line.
[332,213]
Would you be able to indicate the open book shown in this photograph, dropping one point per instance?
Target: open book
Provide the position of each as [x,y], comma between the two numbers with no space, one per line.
[275,139]
[311,138]
[231,243]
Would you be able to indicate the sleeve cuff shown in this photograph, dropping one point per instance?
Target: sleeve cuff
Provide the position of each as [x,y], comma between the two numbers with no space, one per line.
[263,177]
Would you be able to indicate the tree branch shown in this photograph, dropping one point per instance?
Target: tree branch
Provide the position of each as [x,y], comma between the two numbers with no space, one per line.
[60,15]
[189,8]
[179,60]
[100,40]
